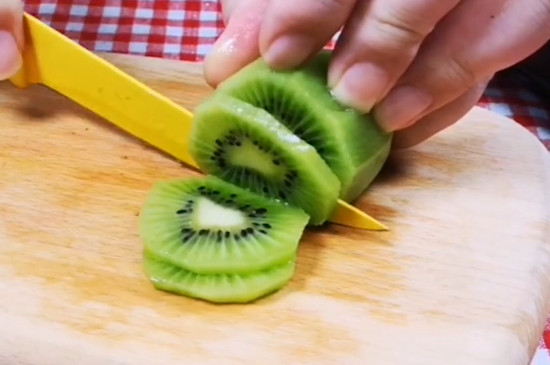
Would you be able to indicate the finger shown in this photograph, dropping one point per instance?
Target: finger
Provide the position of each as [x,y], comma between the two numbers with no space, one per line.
[439,119]
[377,44]
[10,59]
[11,37]
[293,31]
[11,19]
[479,38]
[227,7]
[238,45]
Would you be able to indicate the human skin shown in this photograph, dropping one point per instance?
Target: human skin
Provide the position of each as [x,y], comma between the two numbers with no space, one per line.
[11,37]
[417,65]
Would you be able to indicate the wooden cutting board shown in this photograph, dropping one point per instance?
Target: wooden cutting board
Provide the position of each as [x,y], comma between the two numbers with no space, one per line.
[462,277]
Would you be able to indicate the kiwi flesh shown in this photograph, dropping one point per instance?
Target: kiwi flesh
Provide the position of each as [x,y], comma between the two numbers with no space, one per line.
[352,144]
[246,146]
[279,151]
[208,226]
[218,288]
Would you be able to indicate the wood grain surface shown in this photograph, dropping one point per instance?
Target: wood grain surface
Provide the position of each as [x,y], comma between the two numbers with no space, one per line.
[462,277]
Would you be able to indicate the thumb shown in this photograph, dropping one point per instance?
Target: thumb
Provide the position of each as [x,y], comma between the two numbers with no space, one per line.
[11,37]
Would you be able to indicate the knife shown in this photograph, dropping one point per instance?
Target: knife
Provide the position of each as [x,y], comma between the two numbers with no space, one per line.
[99,86]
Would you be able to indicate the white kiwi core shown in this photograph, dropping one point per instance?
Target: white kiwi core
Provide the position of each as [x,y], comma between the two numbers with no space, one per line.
[209,215]
[250,156]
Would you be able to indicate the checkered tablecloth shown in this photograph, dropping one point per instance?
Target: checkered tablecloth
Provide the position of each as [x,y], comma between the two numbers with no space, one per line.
[186,30]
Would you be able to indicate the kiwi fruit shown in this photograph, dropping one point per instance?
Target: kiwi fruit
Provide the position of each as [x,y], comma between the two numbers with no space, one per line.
[208,226]
[248,147]
[352,144]
[278,152]
[218,288]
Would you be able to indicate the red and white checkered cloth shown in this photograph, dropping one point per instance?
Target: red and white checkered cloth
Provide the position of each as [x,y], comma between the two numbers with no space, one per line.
[186,30]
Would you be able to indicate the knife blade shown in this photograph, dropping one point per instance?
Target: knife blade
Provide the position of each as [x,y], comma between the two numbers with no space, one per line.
[104,89]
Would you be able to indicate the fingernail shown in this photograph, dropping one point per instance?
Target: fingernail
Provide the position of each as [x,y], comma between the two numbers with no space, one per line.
[361,86]
[10,60]
[401,107]
[288,51]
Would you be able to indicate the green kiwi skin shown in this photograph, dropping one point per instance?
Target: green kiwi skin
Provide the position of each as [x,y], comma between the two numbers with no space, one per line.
[368,156]
[162,220]
[315,189]
[368,170]
[353,145]
[217,288]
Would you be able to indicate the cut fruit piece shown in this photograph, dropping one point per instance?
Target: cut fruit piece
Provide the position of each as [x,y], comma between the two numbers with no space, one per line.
[206,225]
[246,146]
[217,288]
[353,145]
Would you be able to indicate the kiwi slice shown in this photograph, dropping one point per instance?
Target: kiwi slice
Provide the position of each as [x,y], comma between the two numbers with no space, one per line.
[217,288]
[246,146]
[352,144]
[209,226]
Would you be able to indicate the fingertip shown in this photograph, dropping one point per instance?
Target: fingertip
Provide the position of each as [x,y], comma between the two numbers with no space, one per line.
[11,19]
[237,46]
[217,64]
[288,52]
[440,119]
[228,56]
[10,61]
[402,107]
[361,86]
[294,31]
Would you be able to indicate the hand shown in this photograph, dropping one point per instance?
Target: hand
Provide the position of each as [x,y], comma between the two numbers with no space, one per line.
[417,65]
[11,37]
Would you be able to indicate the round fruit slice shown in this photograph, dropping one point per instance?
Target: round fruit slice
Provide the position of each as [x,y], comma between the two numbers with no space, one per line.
[246,146]
[217,288]
[352,144]
[206,225]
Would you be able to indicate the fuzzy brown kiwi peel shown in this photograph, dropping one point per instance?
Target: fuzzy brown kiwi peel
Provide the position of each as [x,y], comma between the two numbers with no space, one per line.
[272,139]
